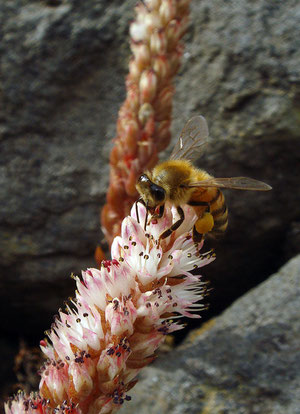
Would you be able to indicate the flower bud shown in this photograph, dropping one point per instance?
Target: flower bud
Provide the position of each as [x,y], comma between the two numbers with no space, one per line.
[158,42]
[167,11]
[163,104]
[173,33]
[130,137]
[152,22]
[133,100]
[138,31]
[148,86]
[152,4]
[161,67]
[146,111]
[150,127]
[142,55]
[134,71]
[114,194]
[114,156]
[130,184]
[146,152]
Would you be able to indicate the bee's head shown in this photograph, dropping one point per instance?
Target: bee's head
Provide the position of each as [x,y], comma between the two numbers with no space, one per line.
[153,194]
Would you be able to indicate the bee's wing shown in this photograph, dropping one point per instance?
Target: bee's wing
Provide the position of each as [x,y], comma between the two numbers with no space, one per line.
[192,140]
[237,183]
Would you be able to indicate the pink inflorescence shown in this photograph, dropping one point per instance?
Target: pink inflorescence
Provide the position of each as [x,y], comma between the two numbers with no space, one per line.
[121,314]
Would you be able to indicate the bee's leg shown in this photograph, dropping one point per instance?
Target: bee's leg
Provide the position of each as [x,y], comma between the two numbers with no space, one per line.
[175,225]
[197,237]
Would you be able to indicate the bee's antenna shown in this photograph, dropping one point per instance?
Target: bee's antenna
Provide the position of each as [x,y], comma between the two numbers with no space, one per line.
[146,218]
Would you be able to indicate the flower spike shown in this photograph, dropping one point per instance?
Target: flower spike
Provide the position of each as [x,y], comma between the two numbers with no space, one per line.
[122,312]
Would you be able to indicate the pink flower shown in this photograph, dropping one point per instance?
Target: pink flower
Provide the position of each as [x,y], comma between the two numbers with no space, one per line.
[122,312]
[35,404]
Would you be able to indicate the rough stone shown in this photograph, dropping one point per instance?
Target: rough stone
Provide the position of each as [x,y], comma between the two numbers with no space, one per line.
[246,361]
[63,66]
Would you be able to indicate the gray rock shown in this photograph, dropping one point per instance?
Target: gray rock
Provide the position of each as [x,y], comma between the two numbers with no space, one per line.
[246,361]
[63,66]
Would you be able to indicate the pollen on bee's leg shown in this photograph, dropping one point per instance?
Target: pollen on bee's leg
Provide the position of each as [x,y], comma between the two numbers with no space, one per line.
[205,224]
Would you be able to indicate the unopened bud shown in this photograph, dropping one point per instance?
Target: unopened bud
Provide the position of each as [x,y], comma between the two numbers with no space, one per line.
[114,194]
[167,11]
[130,184]
[146,152]
[161,67]
[163,103]
[152,4]
[148,86]
[146,111]
[132,100]
[150,126]
[152,21]
[114,156]
[173,33]
[131,137]
[137,31]
[142,55]
[134,71]
[158,42]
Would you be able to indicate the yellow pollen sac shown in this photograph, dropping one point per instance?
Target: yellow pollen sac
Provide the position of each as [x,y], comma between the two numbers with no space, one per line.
[205,223]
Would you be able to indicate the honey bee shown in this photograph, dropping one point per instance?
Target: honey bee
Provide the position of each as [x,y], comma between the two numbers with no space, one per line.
[179,182]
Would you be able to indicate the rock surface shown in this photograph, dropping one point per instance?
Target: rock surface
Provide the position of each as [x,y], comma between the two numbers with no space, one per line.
[246,361]
[62,70]
[62,81]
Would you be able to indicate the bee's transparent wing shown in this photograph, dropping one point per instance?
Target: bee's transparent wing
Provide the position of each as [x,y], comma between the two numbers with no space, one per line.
[192,140]
[236,183]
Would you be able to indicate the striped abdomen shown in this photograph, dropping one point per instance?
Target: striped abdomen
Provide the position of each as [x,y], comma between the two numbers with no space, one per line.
[218,210]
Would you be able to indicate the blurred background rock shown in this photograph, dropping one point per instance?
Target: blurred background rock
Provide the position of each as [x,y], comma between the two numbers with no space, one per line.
[62,71]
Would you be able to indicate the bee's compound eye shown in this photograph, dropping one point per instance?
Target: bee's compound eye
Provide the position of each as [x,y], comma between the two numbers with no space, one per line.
[158,192]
